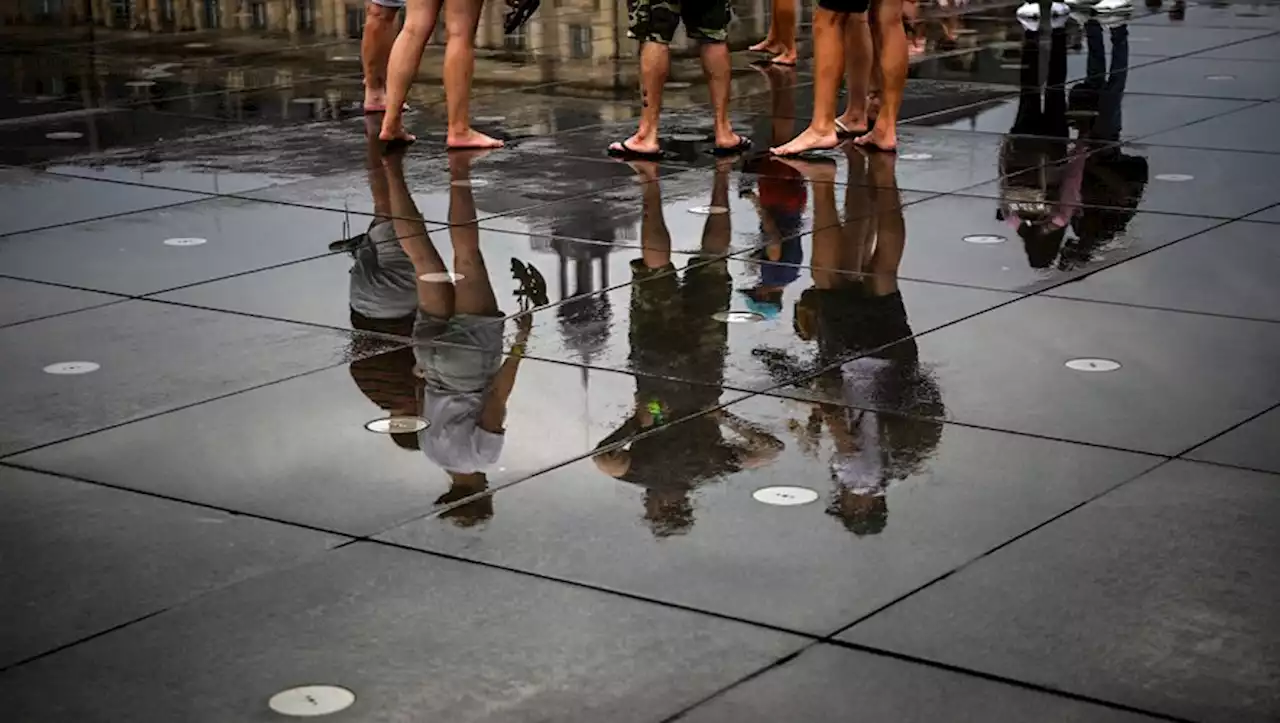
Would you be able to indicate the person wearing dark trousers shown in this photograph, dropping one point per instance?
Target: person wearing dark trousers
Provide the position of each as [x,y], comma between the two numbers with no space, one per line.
[678,351]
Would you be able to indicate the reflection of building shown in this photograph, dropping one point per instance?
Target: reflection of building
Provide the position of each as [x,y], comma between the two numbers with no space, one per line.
[562,29]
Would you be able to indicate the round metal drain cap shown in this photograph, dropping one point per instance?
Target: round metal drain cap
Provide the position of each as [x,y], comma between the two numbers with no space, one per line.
[690,137]
[737,317]
[309,701]
[196,46]
[1222,76]
[469,183]
[784,496]
[1093,365]
[397,425]
[441,277]
[489,118]
[72,367]
[185,241]
[984,238]
[1174,177]
[64,135]
[344,58]
[140,83]
[914,156]
[308,100]
[709,210]
[678,85]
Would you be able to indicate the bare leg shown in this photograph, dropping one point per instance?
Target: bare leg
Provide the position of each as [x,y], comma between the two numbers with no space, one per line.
[474,290]
[460,20]
[784,18]
[419,23]
[655,239]
[434,298]
[891,227]
[718,229]
[377,173]
[375,50]
[655,62]
[893,75]
[770,42]
[715,64]
[827,231]
[858,57]
[828,58]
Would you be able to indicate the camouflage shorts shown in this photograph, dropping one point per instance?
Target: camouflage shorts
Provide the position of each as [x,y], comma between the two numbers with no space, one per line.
[656,21]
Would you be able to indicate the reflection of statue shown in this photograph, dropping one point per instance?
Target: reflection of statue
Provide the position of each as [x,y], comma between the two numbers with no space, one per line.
[674,336]
[883,425]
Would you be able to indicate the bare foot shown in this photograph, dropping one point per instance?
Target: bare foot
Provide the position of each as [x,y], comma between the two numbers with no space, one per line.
[809,140]
[465,157]
[395,132]
[786,57]
[472,139]
[878,140]
[768,45]
[375,99]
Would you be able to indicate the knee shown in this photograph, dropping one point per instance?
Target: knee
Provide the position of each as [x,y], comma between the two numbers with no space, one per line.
[376,15]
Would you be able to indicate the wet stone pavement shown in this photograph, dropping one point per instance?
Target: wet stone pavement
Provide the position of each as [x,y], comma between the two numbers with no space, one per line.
[988,430]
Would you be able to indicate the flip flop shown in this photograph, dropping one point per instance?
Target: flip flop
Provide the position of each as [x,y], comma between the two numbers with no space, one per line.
[742,146]
[627,153]
[844,132]
[396,145]
[519,14]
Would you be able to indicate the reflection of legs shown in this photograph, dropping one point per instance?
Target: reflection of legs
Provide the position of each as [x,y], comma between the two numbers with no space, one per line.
[419,23]
[655,239]
[474,292]
[782,97]
[827,231]
[857,73]
[1028,117]
[1109,121]
[436,299]
[1055,94]
[828,59]
[859,214]
[893,74]
[715,64]
[377,174]
[1095,66]
[890,225]
[461,19]
[718,228]
[375,50]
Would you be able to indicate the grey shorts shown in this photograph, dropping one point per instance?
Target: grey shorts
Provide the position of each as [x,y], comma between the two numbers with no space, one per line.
[393,4]
[468,355]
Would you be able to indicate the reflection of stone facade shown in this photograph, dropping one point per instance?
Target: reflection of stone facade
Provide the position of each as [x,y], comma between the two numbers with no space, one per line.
[564,29]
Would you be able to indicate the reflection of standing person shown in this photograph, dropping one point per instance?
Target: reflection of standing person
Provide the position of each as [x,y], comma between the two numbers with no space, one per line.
[674,336]
[1040,194]
[457,340]
[866,355]
[383,298]
[1113,181]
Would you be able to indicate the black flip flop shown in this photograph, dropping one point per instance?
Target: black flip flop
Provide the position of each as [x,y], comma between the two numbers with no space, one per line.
[396,145]
[519,14]
[742,146]
[627,153]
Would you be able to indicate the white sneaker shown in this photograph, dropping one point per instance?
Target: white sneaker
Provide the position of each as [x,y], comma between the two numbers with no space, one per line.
[1113,6]
[1031,10]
